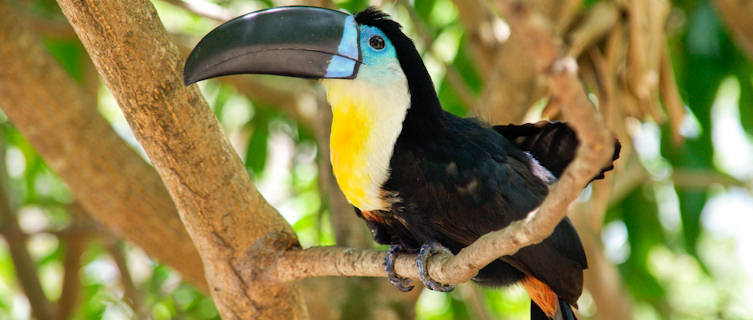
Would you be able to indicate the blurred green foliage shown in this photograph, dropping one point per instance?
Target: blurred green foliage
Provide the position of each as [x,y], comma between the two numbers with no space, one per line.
[667,255]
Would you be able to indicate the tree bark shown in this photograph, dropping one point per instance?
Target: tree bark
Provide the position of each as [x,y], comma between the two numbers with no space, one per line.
[235,231]
[110,180]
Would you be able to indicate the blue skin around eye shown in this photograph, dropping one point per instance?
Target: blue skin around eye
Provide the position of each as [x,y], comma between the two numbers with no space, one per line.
[375,61]
[342,67]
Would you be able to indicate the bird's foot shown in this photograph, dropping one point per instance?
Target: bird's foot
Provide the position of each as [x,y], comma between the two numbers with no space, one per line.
[428,250]
[402,284]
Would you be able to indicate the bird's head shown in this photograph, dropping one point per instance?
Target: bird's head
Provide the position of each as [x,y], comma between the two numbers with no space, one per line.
[355,54]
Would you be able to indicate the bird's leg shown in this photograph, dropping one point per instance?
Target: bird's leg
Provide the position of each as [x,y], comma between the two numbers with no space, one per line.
[428,250]
[402,284]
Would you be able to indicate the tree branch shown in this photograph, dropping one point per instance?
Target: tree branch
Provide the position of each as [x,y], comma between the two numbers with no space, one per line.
[235,231]
[110,180]
[131,293]
[511,84]
[702,179]
[602,279]
[74,242]
[26,269]
[597,23]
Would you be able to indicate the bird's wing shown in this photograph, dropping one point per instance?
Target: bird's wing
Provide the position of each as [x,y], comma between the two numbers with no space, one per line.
[469,184]
[513,192]
[552,143]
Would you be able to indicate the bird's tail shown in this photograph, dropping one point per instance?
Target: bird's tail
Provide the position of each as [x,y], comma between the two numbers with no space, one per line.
[563,312]
[545,305]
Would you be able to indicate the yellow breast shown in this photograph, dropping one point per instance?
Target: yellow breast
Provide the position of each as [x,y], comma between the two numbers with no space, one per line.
[366,121]
[351,129]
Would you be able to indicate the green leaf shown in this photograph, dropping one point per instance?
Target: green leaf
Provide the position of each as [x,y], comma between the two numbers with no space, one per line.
[641,283]
[224,93]
[639,212]
[459,309]
[55,256]
[353,6]
[69,54]
[267,3]
[256,152]
[465,66]
[423,8]
[705,58]
[94,303]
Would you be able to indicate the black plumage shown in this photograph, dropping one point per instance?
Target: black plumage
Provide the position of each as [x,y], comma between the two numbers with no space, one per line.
[553,144]
[454,179]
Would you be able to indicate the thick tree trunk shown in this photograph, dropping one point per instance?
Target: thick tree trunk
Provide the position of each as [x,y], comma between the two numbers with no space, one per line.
[115,185]
[235,231]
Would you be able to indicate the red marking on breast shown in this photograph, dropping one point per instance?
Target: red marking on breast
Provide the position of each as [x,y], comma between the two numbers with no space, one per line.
[372,216]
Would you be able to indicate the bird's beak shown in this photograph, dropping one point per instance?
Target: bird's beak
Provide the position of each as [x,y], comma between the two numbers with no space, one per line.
[306,42]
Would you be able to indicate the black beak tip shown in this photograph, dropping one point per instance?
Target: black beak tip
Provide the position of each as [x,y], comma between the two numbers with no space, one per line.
[186,81]
[189,77]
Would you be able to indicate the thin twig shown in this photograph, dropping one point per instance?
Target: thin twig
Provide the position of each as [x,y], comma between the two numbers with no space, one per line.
[132,295]
[602,278]
[702,179]
[75,244]
[26,269]
[671,96]
[598,22]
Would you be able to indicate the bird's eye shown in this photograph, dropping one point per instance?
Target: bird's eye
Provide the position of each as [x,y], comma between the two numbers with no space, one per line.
[376,42]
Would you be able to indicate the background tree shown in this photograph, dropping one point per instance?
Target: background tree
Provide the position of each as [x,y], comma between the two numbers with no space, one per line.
[665,233]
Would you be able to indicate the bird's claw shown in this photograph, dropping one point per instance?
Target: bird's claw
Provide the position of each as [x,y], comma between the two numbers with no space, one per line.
[402,284]
[428,250]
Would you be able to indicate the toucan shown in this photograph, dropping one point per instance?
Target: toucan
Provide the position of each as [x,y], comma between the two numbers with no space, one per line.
[423,179]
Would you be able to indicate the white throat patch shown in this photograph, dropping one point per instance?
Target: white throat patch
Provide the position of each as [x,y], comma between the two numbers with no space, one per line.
[367,118]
